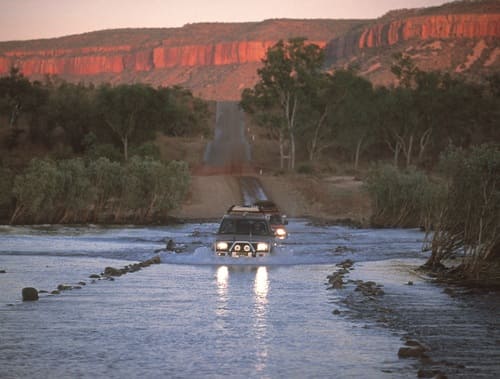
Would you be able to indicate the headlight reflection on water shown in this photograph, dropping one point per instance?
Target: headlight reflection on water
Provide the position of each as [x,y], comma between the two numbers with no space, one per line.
[261,285]
[222,277]
[261,289]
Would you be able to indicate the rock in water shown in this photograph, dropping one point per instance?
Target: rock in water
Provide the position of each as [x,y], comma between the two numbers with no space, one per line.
[30,294]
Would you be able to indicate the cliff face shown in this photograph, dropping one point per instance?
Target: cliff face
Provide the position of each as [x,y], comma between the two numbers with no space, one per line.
[462,43]
[429,27]
[218,60]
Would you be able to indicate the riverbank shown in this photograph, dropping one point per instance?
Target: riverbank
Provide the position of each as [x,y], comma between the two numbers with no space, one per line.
[446,330]
[334,199]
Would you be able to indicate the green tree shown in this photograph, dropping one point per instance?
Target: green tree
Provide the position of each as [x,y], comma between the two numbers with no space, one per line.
[404,69]
[179,113]
[70,107]
[289,70]
[15,91]
[352,111]
[21,98]
[126,110]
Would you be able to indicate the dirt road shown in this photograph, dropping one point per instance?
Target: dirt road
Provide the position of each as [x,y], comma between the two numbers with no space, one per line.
[228,177]
[225,177]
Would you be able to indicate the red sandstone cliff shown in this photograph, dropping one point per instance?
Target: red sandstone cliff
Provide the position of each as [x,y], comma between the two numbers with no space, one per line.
[218,60]
[429,27]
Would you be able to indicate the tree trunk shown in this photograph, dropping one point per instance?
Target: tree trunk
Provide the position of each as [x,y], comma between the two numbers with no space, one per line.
[424,140]
[409,152]
[397,148]
[314,142]
[358,151]
[282,151]
[125,148]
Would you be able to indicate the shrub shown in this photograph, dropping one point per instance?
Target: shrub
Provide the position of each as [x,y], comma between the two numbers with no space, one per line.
[469,220]
[402,198]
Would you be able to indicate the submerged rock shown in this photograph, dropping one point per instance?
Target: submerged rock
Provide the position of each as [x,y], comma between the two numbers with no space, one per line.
[64,287]
[346,264]
[30,294]
[3,272]
[410,352]
[369,289]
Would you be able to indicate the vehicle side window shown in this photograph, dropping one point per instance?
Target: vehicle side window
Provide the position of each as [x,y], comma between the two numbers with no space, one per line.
[275,219]
[227,227]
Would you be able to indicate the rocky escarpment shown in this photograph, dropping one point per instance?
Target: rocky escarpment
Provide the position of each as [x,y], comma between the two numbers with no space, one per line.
[216,61]
[382,34]
[425,27]
[467,43]
[117,59]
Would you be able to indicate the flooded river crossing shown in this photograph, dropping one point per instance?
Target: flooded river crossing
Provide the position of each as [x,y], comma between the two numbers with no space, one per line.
[197,315]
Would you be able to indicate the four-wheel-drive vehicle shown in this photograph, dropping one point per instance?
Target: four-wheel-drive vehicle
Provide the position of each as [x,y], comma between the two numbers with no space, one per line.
[269,209]
[246,234]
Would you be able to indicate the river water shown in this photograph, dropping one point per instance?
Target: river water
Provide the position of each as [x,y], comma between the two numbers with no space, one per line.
[197,315]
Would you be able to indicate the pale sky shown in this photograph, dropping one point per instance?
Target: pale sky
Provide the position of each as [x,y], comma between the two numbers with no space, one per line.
[34,19]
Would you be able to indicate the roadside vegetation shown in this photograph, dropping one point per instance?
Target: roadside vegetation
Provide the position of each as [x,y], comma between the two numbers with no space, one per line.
[429,146]
[85,153]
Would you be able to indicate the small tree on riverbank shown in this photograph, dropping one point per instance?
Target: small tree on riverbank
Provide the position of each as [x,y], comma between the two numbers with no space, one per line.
[469,220]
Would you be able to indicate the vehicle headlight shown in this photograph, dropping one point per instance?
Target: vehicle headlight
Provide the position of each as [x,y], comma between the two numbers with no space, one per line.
[222,246]
[280,232]
[262,246]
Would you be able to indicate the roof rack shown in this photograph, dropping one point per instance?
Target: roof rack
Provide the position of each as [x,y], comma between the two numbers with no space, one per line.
[243,209]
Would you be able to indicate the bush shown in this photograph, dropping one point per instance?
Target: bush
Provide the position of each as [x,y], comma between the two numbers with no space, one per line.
[402,198]
[147,150]
[6,183]
[153,186]
[36,190]
[70,191]
[469,220]
[305,168]
[104,150]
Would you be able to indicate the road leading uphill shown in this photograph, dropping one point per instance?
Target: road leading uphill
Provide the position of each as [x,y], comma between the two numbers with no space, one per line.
[229,153]
[227,175]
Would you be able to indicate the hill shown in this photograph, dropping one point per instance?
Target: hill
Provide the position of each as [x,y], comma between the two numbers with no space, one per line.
[218,60]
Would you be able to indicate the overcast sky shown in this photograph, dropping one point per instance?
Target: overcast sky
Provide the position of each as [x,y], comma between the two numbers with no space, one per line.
[32,19]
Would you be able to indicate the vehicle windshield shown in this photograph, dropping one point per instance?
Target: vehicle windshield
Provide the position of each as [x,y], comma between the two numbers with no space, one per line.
[275,220]
[242,226]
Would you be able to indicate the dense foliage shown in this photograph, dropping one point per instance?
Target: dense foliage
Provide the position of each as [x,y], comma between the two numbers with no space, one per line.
[341,114]
[71,190]
[82,118]
[461,211]
[90,133]
[469,218]
[412,125]
[403,198]
[290,73]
